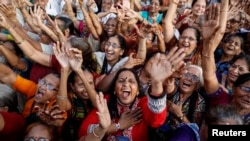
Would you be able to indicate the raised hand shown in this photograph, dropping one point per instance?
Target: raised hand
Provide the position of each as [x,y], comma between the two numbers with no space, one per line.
[75,58]
[9,11]
[163,66]
[61,55]
[103,111]
[3,22]
[49,115]
[132,62]
[130,118]
[37,14]
[211,25]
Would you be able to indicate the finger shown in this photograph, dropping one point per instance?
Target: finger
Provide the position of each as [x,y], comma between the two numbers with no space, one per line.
[36,108]
[45,105]
[171,52]
[175,58]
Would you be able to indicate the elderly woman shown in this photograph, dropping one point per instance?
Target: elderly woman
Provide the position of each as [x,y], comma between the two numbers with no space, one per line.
[127,100]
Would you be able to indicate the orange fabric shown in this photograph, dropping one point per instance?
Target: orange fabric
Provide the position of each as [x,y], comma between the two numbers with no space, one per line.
[28,88]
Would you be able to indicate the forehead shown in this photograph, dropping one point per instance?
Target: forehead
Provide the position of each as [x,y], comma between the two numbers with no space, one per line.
[126,74]
[189,31]
[193,70]
[111,21]
[106,1]
[247,83]
[113,39]
[200,2]
[51,78]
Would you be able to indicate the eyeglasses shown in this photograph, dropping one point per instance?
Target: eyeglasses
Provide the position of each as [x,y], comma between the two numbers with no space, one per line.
[35,139]
[114,46]
[233,21]
[49,86]
[187,37]
[193,77]
[245,89]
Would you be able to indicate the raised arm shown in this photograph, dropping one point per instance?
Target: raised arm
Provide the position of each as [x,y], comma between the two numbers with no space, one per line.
[24,45]
[168,27]
[212,32]
[7,76]
[62,96]
[13,59]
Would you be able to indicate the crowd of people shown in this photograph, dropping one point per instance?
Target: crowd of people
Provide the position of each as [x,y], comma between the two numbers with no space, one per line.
[122,70]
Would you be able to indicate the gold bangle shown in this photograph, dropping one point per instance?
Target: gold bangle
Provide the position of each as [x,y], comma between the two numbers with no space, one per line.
[61,97]
[19,43]
[181,118]
[175,2]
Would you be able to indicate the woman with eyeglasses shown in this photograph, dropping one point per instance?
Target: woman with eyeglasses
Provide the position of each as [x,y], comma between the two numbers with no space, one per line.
[39,131]
[185,101]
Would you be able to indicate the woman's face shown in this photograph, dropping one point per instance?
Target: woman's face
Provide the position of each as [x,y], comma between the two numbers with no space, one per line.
[181,3]
[78,87]
[237,68]
[233,24]
[242,95]
[154,6]
[232,46]
[190,80]
[199,7]
[38,131]
[126,88]
[44,38]
[188,40]
[113,50]
[110,27]
[106,5]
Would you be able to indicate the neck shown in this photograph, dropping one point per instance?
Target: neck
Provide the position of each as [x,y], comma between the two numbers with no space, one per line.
[225,58]
[153,14]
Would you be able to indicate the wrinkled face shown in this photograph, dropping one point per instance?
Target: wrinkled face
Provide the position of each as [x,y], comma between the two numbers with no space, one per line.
[106,5]
[110,26]
[113,50]
[188,40]
[199,7]
[79,88]
[237,68]
[233,24]
[126,88]
[190,80]
[47,88]
[38,131]
[154,6]
[242,95]
[232,46]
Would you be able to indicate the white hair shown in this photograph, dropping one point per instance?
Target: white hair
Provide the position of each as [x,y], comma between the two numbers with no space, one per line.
[200,74]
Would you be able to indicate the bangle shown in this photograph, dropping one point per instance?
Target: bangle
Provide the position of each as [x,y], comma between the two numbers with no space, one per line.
[9,37]
[181,118]
[94,131]
[117,126]
[61,97]
[175,2]
[19,43]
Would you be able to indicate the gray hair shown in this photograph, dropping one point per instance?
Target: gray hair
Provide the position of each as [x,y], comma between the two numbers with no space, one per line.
[200,74]
[8,97]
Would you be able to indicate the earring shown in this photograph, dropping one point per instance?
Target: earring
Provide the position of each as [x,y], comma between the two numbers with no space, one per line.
[114,93]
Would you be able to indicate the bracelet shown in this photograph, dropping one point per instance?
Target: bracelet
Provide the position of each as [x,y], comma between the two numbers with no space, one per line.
[117,126]
[19,43]
[94,131]
[61,97]
[9,37]
[181,118]
[207,56]
[175,2]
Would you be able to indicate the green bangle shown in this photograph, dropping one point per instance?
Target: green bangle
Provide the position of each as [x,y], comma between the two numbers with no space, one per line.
[9,37]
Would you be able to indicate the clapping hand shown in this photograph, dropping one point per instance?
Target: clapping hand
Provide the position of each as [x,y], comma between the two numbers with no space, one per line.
[49,115]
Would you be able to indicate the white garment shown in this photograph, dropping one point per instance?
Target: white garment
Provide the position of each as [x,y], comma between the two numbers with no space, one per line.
[79,14]
[105,18]
[100,58]
[54,7]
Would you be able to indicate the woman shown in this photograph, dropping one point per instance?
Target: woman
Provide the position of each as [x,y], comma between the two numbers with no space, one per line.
[40,131]
[224,55]
[216,94]
[195,18]
[189,38]
[127,99]
[185,101]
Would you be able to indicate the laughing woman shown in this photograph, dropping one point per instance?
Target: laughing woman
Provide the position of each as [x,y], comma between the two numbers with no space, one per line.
[127,100]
